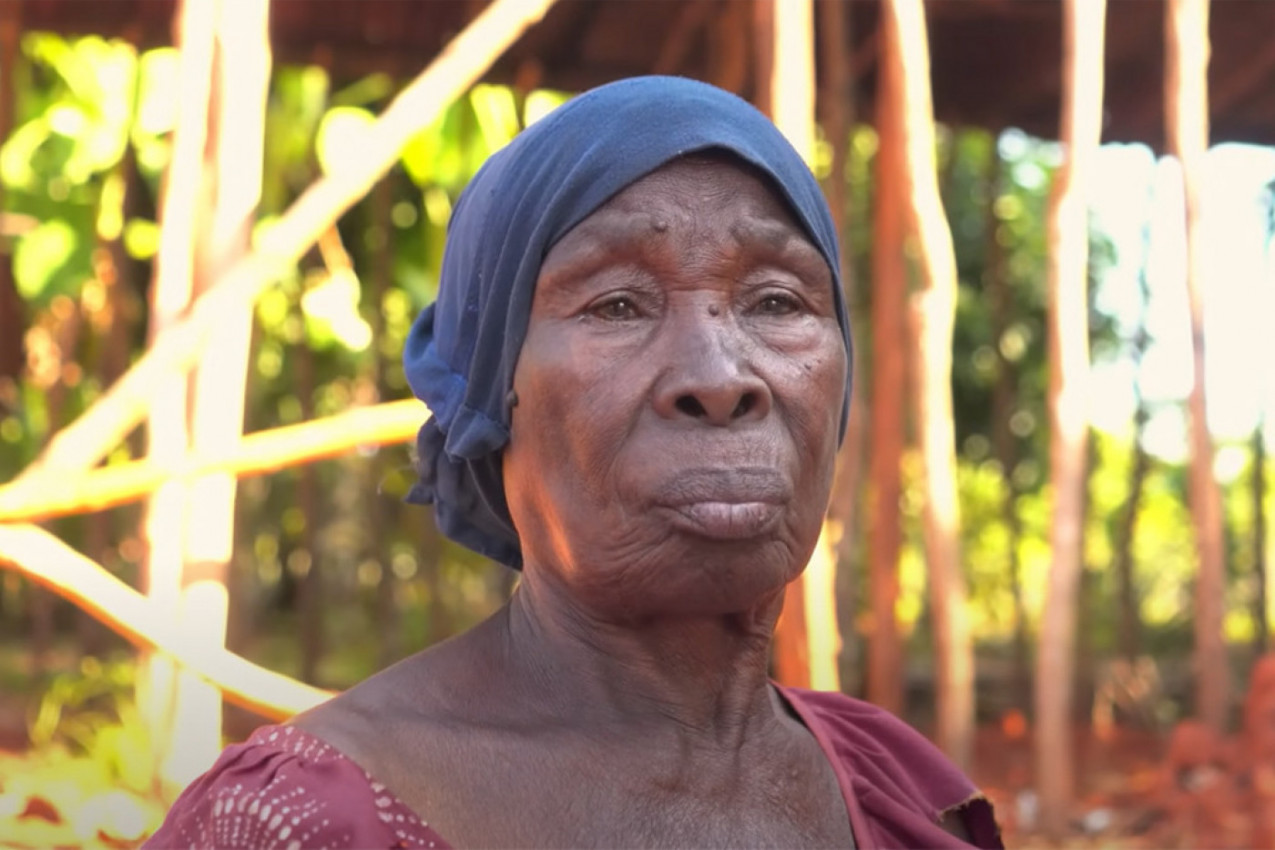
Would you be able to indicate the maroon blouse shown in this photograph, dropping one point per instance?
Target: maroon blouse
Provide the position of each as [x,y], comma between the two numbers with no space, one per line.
[286,789]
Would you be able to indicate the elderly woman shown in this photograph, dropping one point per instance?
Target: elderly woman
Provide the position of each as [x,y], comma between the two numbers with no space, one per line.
[638,370]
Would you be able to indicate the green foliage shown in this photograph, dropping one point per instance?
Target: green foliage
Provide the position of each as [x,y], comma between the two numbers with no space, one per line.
[90,713]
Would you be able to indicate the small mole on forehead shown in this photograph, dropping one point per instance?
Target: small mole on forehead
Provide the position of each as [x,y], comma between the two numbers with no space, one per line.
[659,225]
[713,309]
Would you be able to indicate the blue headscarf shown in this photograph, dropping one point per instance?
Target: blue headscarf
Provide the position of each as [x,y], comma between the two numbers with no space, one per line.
[461,353]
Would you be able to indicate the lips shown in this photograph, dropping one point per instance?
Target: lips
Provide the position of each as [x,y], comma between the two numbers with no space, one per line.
[726,504]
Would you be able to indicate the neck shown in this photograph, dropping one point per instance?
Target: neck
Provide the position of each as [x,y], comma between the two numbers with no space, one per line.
[701,678]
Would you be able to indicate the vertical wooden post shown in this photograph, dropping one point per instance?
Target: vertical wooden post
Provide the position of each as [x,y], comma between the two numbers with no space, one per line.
[381,512]
[1186,110]
[933,313]
[889,378]
[13,320]
[233,161]
[1261,640]
[12,309]
[807,641]
[1004,446]
[310,593]
[792,77]
[837,110]
[170,296]
[1068,345]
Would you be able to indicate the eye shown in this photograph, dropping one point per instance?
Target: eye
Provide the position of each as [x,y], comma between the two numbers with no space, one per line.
[777,304]
[615,309]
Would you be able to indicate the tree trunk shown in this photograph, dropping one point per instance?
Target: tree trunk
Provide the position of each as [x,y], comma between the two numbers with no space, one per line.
[12,310]
[1004,445]
[13,321]
[1261,639]
[1068,344]
[310,597]
[889,376]
[807,641]
[112,315]
[905,49]
[1128,617]
[1187,132]
[838,109]
[378,523]
[1129,622]
[60,327]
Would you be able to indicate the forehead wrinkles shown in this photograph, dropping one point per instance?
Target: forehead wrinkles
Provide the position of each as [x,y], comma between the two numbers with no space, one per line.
[698,206]
[596,239]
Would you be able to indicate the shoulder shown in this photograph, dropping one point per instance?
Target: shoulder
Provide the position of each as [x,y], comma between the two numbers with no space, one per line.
[893,767]
[879,744]
[287,788]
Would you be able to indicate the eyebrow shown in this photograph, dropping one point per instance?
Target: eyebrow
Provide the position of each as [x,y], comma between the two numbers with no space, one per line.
[596,241]
[607,235]
[778,237]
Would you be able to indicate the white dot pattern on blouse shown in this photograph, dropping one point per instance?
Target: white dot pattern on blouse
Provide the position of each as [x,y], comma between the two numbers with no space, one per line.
[282,815]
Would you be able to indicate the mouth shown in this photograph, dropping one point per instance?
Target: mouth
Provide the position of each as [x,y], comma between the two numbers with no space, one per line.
[727,504]
[729,520]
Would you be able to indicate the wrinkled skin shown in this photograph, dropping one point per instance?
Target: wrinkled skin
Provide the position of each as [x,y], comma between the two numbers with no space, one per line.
[680,388]
[679,392]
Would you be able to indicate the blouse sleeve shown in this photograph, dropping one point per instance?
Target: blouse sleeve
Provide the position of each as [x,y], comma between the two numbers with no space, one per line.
[287,790]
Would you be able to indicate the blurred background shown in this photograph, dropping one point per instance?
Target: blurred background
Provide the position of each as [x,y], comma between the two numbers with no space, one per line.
[1049,535]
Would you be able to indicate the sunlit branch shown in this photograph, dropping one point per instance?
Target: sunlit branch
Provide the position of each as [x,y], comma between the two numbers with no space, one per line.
[43,558]
[462,63]
[47,496]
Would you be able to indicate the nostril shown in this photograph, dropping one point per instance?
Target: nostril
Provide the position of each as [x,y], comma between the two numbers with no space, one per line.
[691,406]
[746,403]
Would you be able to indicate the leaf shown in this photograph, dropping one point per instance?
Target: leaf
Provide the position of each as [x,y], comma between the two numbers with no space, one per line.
[342,135]
[19,152]
[497,115]
[41,258]
[141,238]
[540,103]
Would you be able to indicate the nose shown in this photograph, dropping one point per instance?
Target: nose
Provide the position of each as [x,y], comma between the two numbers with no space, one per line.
[708,377]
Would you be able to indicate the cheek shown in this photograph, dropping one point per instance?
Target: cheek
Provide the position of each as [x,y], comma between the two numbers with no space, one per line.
[573,415]
[811,388]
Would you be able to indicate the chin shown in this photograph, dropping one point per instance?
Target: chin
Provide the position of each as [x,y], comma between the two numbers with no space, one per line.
[698,577]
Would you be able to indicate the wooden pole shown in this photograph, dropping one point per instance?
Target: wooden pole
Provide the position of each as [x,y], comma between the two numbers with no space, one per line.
[43,558]
[807,641]
[1004,445]
[256,454]
[168,439]
[933,313]
[792,78]
[1261,626]
[12,309]
[1186,112]
[381,513]
[233,161]
[837,108]
[889,377]
[462,63]
[1068,346]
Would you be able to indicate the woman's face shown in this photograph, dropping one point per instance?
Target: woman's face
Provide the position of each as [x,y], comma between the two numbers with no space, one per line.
[680,389]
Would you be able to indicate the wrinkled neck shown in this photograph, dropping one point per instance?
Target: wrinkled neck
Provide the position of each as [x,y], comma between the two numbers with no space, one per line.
[704,679]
